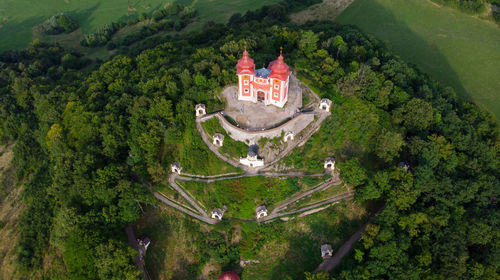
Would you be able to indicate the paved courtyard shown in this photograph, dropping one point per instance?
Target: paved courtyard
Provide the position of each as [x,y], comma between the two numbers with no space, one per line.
[258,115]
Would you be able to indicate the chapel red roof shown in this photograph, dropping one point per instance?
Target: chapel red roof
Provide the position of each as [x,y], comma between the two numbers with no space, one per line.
[245,64]
[279,69]
[228,275]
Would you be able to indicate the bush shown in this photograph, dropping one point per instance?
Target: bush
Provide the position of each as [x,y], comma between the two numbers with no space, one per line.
[57,25]
[101,36]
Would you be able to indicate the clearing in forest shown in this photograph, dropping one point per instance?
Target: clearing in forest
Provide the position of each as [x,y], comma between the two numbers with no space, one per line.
[457,49]
[326,10]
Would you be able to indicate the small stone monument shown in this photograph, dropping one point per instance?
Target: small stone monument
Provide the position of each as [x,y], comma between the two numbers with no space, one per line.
[176,168]
[261,211]
[252,158]
[142,246]
[326,251]
[329,163]
[200,110]
[325,104]
[404,165]
[217,214]
[218,139]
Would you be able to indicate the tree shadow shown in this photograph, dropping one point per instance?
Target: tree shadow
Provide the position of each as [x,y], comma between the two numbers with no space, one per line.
[406,44]
[304,249]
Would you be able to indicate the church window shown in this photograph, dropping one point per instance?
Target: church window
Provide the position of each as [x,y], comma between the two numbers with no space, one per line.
[276,86]
[275,94]
[245,77]
[246,90]
[245,82]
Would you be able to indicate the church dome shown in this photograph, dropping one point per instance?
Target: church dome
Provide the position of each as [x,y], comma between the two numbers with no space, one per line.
[245,64]
[279,69]
[228,275]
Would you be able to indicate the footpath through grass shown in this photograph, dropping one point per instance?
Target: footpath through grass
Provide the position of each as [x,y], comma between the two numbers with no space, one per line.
[17,18]
[230,147]
[455,48]
[241,196]
[183,248]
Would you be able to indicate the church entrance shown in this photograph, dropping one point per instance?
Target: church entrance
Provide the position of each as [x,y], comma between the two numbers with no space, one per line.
[261,96]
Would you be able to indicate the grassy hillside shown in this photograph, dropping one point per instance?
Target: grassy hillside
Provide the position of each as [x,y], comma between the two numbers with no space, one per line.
[455,48]
[18,17]
[182,248]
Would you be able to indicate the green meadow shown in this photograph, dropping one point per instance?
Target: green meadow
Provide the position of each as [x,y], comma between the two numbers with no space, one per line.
[17,18]
[457,49]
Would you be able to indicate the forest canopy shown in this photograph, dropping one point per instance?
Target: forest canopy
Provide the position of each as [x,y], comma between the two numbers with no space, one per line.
[86,138]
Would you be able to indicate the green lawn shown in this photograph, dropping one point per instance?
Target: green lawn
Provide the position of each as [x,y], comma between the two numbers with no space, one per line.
[241,196]
[455,48]
[18,17]
[195,157]
[230,147]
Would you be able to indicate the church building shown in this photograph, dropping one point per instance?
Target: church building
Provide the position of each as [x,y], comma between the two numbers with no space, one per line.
[268,85]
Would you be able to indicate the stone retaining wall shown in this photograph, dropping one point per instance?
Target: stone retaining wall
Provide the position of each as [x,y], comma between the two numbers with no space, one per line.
[294,125]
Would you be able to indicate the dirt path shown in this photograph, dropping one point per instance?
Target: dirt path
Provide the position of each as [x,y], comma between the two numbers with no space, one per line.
[307,208]
[276,213]
[172,204]
[250,172]
[334,181]
[264,174]
[330,263]
[171,181]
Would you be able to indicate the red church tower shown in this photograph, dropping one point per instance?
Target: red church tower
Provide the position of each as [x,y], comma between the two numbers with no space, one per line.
[268,85]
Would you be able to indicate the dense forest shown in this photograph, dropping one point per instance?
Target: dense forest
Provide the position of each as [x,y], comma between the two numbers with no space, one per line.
[85,135]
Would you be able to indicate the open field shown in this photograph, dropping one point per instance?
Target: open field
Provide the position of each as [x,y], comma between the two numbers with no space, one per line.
[457,49]
[17,18]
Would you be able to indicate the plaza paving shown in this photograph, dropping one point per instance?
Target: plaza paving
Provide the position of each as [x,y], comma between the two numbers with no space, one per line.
[258,115]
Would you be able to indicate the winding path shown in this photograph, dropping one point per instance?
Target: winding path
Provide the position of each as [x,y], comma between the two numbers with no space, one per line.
[334,181]
[330,263]
[306,208]
[170,203]
[171,181]
[250,172]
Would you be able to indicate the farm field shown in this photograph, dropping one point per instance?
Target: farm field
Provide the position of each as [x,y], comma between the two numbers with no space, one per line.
[17,18]
[457,49]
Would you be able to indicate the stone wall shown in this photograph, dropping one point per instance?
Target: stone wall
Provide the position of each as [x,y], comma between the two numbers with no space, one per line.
[294,125]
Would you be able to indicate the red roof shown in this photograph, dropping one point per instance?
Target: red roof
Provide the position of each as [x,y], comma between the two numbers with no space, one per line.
[228,275]
[279,69]
[245,64]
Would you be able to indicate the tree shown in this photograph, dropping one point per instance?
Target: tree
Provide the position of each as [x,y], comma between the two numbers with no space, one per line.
[115,261]
[352,172]
[308,43]
[317,276]
[416,114]
[388,145]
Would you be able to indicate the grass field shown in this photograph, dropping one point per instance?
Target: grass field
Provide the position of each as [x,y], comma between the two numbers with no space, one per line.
[241,196]
[17,18]
[457,49]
